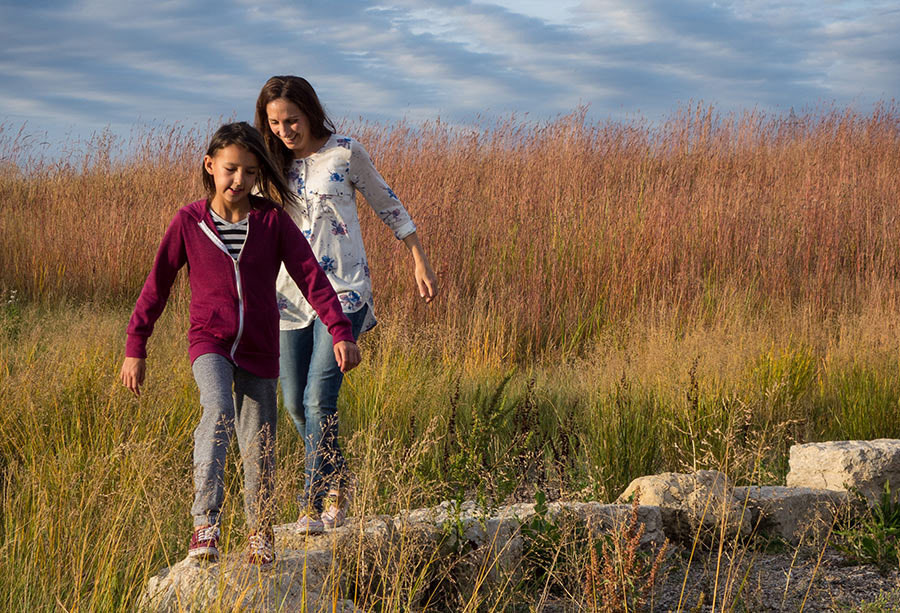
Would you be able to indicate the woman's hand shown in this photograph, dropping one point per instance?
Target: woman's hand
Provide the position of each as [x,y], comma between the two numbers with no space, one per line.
[132,374]
[426,281]
[347,355]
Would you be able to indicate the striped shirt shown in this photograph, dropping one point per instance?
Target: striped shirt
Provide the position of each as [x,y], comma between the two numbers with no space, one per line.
[232,234]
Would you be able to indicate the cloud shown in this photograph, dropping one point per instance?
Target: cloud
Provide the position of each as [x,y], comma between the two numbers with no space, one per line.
[99,62]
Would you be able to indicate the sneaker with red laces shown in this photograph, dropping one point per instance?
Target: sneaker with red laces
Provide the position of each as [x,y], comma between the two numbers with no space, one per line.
[309,521]
[205,543]
[334,509]
[262,548]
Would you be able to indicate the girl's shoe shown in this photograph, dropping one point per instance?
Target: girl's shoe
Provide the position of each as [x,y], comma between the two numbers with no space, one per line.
[205,543]
[309,521]
[262,548]
[335,508]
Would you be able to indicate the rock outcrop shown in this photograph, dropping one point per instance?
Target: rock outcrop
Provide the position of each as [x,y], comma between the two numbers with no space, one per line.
[313,571]
[699,503]
[789,513]
[414,551]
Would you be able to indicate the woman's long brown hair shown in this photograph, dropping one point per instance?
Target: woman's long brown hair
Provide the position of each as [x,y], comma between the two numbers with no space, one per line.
[300,92]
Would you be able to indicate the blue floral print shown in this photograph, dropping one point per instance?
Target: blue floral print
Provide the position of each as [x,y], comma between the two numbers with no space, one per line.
[338,228]
[328,264]
[327,214]
[351,300]
[293,176]
[390,214]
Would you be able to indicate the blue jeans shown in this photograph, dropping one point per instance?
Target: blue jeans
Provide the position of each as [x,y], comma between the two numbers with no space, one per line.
[310,382]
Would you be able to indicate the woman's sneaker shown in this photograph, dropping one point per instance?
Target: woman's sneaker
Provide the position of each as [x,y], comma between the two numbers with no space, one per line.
[205,543]
[309,521]
[262,548]
[335,508]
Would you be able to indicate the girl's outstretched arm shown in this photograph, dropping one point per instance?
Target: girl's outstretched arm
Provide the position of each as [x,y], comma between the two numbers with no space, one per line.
[426,281]
[170,257]
[347,355]
[132,374]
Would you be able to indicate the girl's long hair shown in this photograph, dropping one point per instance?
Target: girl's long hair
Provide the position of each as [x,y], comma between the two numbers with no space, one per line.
[271,181]
[300,92]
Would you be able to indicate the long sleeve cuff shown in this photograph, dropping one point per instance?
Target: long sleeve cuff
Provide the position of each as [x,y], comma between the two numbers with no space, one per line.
[405,230]
[136,346]
[342,330]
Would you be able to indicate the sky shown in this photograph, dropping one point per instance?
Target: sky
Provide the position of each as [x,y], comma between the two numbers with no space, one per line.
[72,68]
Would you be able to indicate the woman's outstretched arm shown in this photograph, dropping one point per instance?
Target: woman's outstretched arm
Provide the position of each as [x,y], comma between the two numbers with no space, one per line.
[426,281]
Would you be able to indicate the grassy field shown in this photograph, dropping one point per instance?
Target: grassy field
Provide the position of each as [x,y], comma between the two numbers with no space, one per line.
[616,300]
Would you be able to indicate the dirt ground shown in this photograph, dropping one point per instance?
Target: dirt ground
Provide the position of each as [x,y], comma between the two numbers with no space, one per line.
[790,581]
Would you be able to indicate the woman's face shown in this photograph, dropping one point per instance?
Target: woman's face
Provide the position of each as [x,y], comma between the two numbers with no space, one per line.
[291,126]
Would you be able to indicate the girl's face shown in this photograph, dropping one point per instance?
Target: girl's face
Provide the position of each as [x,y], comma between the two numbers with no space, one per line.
[234,170]
[291,126]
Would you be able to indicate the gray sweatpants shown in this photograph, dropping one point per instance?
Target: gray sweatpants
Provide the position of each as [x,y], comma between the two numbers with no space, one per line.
[233,399]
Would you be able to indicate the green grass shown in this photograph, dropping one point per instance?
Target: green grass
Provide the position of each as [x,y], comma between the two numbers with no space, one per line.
[616,299]
[96,484]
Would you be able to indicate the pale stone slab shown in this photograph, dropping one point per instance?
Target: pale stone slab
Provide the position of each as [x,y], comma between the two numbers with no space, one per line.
[612,517]
[296,582]
[862,466]
[789,513]
[307,574]
[691,504]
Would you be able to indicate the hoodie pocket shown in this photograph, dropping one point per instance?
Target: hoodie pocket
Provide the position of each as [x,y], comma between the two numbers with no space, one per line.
[221,325]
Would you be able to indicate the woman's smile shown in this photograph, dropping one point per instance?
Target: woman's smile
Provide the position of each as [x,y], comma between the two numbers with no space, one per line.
[292,128]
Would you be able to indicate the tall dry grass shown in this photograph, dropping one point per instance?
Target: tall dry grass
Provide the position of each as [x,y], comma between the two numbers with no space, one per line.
[617,299]
[542,233]
[551,231]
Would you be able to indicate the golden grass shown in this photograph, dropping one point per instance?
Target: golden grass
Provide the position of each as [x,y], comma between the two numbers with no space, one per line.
[616,299]
[542,233]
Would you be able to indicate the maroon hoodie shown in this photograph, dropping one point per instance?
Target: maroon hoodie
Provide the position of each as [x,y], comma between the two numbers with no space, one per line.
[233,308]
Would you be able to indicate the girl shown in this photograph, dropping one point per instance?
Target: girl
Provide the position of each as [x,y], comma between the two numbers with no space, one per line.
[233,243]
[325,170]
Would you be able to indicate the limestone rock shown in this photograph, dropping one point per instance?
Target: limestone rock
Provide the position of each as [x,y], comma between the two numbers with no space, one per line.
[298,581]
[692,504]
[611,517]
[376,530]
[471,544]
[791,513]
[863,466]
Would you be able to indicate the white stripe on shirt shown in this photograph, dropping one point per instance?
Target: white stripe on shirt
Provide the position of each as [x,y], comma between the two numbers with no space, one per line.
[234,235]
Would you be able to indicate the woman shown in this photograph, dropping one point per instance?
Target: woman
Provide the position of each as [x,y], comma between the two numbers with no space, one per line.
[325,170]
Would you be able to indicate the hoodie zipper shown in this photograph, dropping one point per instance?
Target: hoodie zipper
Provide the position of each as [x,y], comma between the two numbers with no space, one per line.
[237,277]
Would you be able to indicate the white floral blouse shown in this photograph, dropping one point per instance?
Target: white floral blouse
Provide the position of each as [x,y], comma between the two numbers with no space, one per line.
[326,182]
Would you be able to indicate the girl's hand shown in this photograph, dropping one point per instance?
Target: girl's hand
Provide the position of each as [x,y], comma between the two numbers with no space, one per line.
[132,374]
[426,281]
[347,355]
